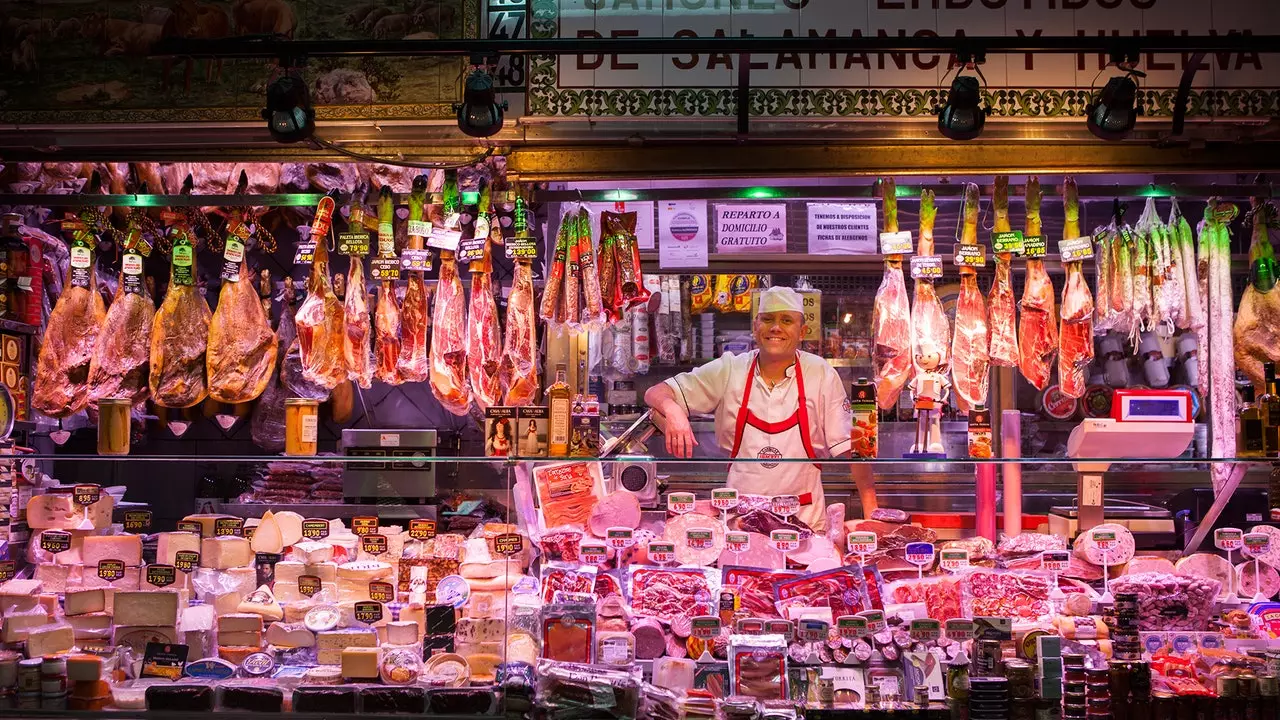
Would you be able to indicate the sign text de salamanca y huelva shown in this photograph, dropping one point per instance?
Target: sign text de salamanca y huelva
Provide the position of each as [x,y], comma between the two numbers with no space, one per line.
[624,10]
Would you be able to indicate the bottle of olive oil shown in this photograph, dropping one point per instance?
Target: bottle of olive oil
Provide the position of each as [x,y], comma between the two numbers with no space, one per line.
[1269,408]
[560,412]
[1249,426]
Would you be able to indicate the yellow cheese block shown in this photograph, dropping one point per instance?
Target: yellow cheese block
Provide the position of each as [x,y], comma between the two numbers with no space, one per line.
[360,663]
[58,511]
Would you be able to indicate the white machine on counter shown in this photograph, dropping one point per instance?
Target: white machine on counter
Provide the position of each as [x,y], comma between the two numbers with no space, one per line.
[1143,424]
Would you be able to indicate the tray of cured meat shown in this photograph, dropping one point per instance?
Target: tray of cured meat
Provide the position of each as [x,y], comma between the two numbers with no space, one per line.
[670,593]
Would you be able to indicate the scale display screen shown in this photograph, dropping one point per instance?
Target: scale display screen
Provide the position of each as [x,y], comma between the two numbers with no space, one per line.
[1149,406]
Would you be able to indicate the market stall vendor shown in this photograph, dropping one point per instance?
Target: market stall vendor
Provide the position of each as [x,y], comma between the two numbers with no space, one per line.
[772,403]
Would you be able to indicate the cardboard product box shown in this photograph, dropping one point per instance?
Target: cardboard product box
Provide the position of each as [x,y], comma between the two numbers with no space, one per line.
[531,431]
[584,435]
[500,431]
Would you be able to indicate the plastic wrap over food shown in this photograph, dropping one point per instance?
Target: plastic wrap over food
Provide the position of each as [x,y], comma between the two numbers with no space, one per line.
[996,593]
[670,593]
[1090,550]
[1170,602]
[940,595]
[754,588]
[571,690]
[567,578]
[758,666]
[844,590]
[1027,544]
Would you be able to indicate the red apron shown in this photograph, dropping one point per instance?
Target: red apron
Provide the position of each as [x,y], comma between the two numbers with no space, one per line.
[799,418]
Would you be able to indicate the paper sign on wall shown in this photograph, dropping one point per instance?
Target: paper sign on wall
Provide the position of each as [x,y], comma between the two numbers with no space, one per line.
[644,220]
[682,234]
[843,229]
[751,228]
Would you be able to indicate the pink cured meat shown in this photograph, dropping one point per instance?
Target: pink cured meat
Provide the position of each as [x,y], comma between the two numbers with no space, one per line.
[1122,552]
[1027,545]
[1170,602]
[651,641]
[619,509]
[970,347]
[1003,317]
[1248,583]
[484,344]
[891,336]
[1075,350]
[676,533]
[755,588]
[1006,594]
[356,347]
[842,589]
[1146,563]
[666,594]
[448,372]
[1209,567]
[1272,557]
[760,554]
[940,595]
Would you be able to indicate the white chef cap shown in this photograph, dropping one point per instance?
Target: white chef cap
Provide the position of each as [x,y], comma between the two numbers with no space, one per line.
[779,299]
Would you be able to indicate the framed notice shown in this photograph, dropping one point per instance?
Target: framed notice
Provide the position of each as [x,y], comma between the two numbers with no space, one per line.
[751,228]
[843,229]
[682,234]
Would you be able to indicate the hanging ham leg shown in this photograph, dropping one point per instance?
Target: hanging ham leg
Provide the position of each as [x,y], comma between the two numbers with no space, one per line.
[1038,324]
[930,328]
[449,341]
[971,343]
[321,319]
[62,371]
[1075,350]
[1257,326]
[386,314]
[519,366]
[242,347]
[356,351]
[891,316]
[413,364]
[1003,313]
[484,343]
[180,335]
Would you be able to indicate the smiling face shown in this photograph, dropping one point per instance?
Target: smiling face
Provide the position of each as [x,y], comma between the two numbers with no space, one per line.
[778,334]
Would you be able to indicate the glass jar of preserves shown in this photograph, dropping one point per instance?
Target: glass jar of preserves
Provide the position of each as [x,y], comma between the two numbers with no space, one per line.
[301,426]
[113,426]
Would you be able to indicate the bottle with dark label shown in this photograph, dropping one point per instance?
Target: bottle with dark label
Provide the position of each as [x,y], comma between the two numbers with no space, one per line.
[1250,429]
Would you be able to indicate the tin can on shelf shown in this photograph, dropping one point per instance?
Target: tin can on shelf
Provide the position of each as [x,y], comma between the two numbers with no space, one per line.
[301,426]
[1022,681]
[113,426]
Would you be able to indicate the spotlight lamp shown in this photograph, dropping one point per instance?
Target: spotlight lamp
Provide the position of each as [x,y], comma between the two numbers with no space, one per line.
[289,115]
[1115,111]
[961,117]
[479,114]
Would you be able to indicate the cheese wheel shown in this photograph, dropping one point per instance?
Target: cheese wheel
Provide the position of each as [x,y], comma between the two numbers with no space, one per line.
[267,538]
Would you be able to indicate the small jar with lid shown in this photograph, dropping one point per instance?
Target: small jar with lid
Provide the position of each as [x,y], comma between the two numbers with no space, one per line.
[301,426]
[113,426]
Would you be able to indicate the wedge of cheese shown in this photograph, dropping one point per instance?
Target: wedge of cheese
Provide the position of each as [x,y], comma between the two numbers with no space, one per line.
[57,511]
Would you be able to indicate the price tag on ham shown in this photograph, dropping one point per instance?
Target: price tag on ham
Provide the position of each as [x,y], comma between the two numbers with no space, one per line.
[737,542]
[921,555]
[811,630]
[960,629]
[896,243]
[1256,544]
[925,629]
[862,542]
[705,627]
[875,620]
[1055,561]
[953,560]
[593,553]
[851,627]
[699,538]
[680,503]
[785,628]
[724,499]
[1229,539]
[1104,539]
[620,538]
[661,552]
[750,626]
[785,505]
[1075,249]
[785,541]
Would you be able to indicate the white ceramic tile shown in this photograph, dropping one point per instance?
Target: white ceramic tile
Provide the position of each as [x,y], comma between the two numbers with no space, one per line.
[576,71]
[833,70]
[1039,70]
[769,19]
[630,71]
[703,73]
[977,20]
[901,70]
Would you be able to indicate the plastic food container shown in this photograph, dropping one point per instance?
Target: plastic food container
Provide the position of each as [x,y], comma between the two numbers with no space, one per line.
[132,695]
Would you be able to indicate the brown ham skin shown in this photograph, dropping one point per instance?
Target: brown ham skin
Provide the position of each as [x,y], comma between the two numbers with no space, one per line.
[1075,338]
[448,363]
[891,317]
[1002,307]
[1257,323]
[62,370]
[119,367]
[179,340]
[519,365]
[356,351]
[242,347]
[1037,325]
[971,342]
[322,327]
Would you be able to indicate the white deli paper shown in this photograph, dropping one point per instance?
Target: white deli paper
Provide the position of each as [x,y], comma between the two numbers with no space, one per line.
[682,234]
[843,229]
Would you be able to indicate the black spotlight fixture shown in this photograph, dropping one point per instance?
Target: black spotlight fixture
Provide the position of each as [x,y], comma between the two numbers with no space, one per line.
[1113,114]
[479,113]
[961,117]
[289,115]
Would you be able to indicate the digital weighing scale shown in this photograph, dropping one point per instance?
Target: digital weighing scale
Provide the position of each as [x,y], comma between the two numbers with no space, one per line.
[1143,424]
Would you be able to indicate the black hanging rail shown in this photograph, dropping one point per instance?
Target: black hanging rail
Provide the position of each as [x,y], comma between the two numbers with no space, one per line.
[1122,47]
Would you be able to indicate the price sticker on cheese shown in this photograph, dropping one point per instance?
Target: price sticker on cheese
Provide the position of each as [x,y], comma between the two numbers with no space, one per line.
[954,559]
[161,575]
[875,621]
[87,494]
[920,553]
[785,505]
[862,542]
[737,542]
[785,541]
[373,544]
[190,526]
[925,629]
[382,592]
[1256,544]
[309,584]
[851,627]
[680,503]
[661,552]
[186,560]
[228,527]
[620,538]
[724,499]
[315,529]
[137,521]
[368,611]
[422,529]
[785,628]
[55,541]
[247,531]
[8,568]
[509,544]
[960,629]
[812,630]
[593,553]
[750,626]
[1104,539]
[1229,539]
[110,570]
[1055,561]
[705,627]
[364,525]
[699,538]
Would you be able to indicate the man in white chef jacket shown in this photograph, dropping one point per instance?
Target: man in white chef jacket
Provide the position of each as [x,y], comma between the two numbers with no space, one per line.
[771,403]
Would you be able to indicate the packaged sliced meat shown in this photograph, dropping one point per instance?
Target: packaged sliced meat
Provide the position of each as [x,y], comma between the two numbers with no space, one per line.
[843,590]
[1170,602]
[566,578]
[758,666]
[570,690]
[1086,548]
[668,593]
[999,593]
[940,595]
[566,493]
[755,588]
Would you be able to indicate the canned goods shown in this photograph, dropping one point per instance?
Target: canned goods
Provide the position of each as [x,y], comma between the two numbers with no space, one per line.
[1073,660]
[56,701]
[957,681]
[1228,686]
[1273,662]
[53,686]
[1022,681]
[1120,680]
[1140,677]
[986,658]
[8,668]
[1247,684]
[28,701]
[1268,684]
[29,675]
[1073,687]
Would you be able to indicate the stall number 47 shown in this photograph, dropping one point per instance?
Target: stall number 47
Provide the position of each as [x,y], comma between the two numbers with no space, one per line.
[506,25]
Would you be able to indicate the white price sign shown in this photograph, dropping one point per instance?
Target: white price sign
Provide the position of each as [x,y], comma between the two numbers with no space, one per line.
[1256,544]
[620,538]
[1055,561]
[785,541]
[851,626]
[1229,539]
[724,499]
[953,560]
[680,503]
[862,542]
[737,542]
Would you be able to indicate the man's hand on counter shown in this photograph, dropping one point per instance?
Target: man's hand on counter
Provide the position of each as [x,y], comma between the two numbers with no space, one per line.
[679,434]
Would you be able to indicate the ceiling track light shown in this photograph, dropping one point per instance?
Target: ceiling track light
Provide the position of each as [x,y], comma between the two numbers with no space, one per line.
[289,114]
[480,114]
[1113,114]
[961,117]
